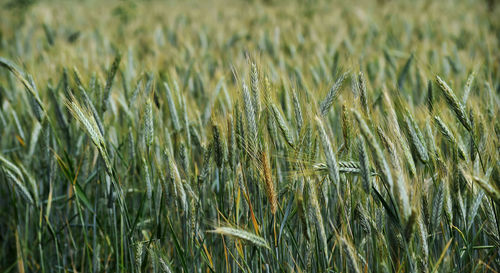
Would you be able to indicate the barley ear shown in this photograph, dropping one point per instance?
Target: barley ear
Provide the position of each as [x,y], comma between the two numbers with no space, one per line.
[454,104]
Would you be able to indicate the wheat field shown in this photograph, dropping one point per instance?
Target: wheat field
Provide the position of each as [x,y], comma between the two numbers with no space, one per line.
[249,136]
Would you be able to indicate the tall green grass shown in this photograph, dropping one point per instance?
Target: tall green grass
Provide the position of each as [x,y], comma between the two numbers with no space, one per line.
[249,136]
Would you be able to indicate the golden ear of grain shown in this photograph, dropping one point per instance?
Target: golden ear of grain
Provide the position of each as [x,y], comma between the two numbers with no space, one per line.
[269,184]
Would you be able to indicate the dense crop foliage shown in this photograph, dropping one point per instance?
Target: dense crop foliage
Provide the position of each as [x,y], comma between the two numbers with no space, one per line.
[248,136]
